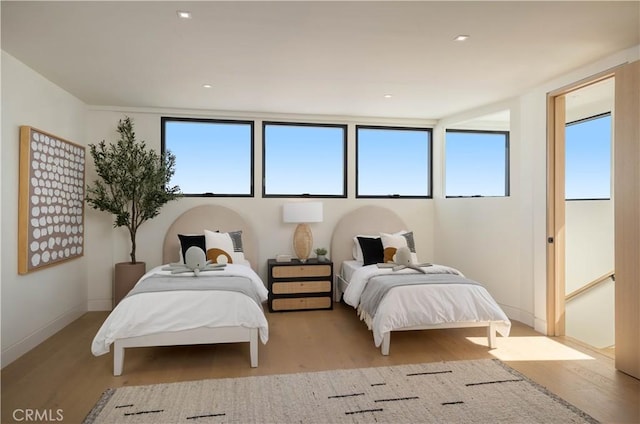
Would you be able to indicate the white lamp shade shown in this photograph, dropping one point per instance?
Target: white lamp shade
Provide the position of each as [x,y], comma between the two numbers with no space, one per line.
[302,212]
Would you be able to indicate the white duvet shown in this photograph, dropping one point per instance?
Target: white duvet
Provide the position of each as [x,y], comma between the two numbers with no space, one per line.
[429,304]
[151,313]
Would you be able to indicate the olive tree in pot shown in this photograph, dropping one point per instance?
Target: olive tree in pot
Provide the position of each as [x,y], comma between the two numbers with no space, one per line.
[133,185]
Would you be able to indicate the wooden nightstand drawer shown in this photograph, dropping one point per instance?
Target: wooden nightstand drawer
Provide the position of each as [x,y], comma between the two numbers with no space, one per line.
[292,287]
[295,271]
[301,303]
[298,286]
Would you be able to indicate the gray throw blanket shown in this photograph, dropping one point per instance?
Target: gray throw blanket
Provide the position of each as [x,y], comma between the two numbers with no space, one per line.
[378,286]
[159,283]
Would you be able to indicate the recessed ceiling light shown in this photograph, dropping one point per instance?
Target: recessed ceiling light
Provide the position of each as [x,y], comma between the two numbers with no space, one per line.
[388,96]
[207,85]
[462,37]
[183,14]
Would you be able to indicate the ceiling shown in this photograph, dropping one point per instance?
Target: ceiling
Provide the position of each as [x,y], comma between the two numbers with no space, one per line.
[326,57]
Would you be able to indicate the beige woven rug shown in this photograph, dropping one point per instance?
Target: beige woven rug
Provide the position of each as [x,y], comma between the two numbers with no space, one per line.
[480,391]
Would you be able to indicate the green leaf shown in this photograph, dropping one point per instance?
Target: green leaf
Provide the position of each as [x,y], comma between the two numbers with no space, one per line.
[133,180]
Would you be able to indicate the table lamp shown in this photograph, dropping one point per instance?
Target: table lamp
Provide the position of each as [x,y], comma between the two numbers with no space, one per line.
[302,213]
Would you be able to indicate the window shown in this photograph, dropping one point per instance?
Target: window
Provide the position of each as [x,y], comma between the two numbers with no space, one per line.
[213,157]
[588,158]
[307,160]
[393,162]
[476,163]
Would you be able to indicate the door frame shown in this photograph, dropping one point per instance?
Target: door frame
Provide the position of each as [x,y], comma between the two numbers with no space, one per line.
[556,200]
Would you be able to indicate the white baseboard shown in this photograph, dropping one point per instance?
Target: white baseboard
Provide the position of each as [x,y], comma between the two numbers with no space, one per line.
[18,349]
[540,326]
[518,315]
[100,305]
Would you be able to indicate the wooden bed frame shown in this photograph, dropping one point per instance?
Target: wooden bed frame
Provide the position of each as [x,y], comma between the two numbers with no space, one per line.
[371,220]
[194,221]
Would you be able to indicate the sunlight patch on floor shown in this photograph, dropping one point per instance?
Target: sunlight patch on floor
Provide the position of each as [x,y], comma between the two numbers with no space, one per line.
[530,349]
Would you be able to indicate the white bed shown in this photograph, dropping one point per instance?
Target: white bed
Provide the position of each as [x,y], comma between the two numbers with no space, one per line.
[412,307]
[185,317]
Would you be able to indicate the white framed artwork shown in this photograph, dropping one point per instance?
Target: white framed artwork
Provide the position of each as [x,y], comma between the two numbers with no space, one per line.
[50,201]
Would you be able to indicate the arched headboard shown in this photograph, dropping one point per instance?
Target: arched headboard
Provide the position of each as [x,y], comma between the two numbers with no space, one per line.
[214,218]
[366,220]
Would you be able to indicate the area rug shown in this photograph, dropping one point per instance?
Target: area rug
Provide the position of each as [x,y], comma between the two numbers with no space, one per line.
[479,391]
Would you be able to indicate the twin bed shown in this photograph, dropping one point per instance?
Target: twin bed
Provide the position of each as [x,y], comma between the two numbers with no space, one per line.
[445,300]
[187,317]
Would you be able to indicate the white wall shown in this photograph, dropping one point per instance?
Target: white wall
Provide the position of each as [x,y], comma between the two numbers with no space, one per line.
[590,317]
[105,247]
[38,304]
[589,241]
[485,237]
[589,250]
[502,241]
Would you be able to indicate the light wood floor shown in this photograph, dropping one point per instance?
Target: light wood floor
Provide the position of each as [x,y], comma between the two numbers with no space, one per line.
[62,374]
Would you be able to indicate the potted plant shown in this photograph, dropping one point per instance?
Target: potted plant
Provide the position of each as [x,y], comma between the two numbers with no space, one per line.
[321,253]
[133,186]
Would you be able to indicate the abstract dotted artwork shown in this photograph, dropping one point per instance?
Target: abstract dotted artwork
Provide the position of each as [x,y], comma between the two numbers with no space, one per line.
[51,200]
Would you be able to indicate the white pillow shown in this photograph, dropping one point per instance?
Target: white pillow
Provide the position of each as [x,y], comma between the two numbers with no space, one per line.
[397,240]
[242,262]
[237,252]
[222,244]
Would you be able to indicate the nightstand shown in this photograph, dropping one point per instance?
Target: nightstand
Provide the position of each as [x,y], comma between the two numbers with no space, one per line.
[295,286]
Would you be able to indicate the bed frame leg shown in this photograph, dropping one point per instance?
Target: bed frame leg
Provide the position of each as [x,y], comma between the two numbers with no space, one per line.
[386,342]
[118,358]
[253,347]
[491,336]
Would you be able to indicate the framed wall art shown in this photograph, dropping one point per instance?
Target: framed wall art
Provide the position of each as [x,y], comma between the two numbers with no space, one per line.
[50,201]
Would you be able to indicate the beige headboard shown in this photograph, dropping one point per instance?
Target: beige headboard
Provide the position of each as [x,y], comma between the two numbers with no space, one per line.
[209,217]
[366,220]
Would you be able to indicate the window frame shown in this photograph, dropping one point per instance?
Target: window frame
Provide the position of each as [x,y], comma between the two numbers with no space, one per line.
[429,131]
[165,119]
[579,121]
[344,128]
[507,165]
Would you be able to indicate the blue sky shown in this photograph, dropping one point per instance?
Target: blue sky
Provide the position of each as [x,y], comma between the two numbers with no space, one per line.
[310,159]
[304,159]
[393,162]
[210,158]
[588,159]
[475,164]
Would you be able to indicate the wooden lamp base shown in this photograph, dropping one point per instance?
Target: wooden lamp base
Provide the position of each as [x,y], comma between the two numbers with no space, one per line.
[302,242]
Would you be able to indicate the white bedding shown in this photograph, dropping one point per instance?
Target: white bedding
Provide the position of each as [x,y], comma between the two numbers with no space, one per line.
[151,313]
[348,268]
[423,305]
